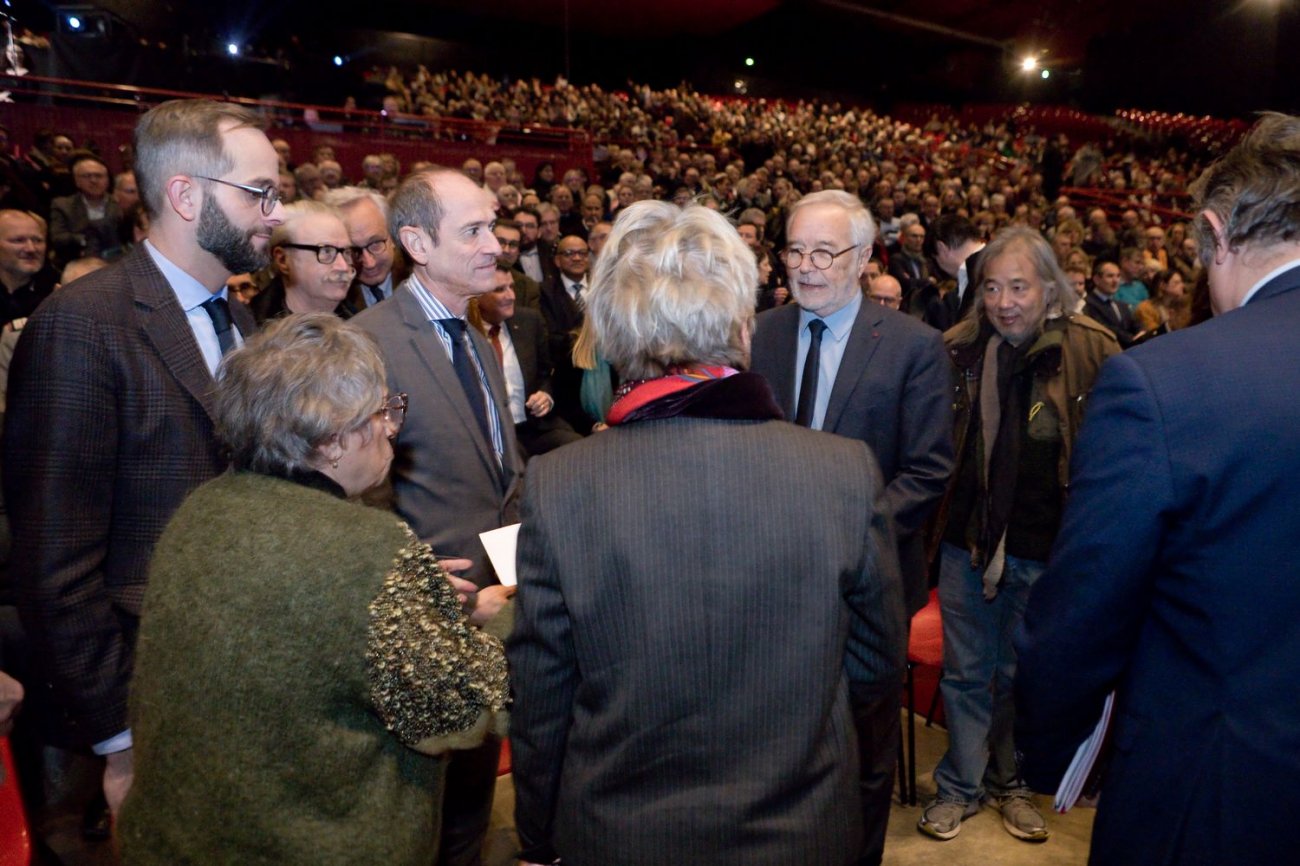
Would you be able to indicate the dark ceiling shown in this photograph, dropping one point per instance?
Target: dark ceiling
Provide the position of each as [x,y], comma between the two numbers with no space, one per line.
[1195,55]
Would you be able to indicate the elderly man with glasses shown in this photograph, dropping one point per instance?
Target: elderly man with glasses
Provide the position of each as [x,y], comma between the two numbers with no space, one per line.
[380,267]
[864,372]
[313,259]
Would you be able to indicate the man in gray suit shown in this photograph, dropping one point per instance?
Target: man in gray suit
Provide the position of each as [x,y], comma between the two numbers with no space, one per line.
[868,373]
[456,464]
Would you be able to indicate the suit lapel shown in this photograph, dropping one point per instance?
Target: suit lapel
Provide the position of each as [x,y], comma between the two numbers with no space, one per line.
[863,341]
[781,357]
[497,382]
[168,329]
[427,345]
[525,351]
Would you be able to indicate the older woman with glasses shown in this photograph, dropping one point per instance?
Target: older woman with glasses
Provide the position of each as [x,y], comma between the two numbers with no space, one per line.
[302,660]
[692,582]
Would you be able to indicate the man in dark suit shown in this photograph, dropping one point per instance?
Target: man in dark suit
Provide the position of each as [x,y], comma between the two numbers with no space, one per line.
[1172,581]
[528,292]
[868,373]
[562,306]
[518,338]
[912,269]
[85,224]
[957,246]
[649,731]
[110,413]
[1102,307]
[456,465]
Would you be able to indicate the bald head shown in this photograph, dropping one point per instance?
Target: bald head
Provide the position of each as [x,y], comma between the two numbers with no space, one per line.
[886,291]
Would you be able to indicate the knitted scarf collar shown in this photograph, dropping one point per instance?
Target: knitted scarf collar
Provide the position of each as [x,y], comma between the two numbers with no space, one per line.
[695,391]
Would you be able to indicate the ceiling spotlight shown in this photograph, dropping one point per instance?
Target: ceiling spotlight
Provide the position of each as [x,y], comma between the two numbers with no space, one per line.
[74,22]
[338,61]
[1029,64]
[232,49]
[749,61]
[1047,73]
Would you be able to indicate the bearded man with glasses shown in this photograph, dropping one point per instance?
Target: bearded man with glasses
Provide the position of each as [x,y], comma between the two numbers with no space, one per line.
[870,373]
[110,421]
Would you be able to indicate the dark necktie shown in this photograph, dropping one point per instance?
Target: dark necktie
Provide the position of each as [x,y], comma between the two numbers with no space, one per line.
[219,311]
[494,336]
[465,372]
[577,295]
[376,293]
[803,415]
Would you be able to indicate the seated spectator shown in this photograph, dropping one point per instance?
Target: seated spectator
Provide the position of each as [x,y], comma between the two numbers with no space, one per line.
[774,777]
[1102,306]
[25,278]
[886,291]
[1155,258]
[307,718]
[1170,307]
[85,224]
[1132,289]
[312,258]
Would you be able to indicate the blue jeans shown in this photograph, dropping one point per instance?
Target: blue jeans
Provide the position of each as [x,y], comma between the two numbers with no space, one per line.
[979,664]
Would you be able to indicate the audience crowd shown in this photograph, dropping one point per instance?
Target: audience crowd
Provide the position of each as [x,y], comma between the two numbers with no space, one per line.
[991,257]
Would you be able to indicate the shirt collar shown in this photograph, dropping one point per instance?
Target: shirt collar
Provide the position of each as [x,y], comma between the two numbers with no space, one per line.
[433,308]
[189,291]
[840,322]
[1268,278]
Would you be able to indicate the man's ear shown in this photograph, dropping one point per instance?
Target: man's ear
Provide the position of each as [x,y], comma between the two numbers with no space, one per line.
[416,243]
[280,259]
[184,196]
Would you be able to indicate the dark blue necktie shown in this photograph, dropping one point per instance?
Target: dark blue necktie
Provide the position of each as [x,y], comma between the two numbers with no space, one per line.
[219,311]
[465,372]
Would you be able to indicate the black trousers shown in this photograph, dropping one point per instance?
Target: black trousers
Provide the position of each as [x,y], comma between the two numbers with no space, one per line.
[875,715]
[467,803]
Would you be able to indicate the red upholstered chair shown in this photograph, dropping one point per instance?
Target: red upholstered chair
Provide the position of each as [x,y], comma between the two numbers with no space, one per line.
[924,647]
[15,839]
[503,762]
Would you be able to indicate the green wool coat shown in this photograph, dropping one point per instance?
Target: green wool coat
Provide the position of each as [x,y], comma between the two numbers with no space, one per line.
[295,650]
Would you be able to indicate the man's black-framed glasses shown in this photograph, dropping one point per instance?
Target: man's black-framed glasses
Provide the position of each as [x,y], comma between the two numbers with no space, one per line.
[327,253]
[375,248]
[269,194]
[821,259]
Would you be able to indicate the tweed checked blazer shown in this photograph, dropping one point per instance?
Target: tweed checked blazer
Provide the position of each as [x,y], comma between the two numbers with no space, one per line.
[891,392]
[109,427]
[695,597]
[445,481]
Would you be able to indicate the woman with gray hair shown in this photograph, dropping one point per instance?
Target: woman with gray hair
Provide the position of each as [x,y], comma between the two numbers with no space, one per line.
[680,686]
[302,659]
[1022,367]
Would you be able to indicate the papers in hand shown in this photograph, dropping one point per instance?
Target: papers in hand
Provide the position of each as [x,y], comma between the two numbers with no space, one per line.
[1083,769]
[500,547]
